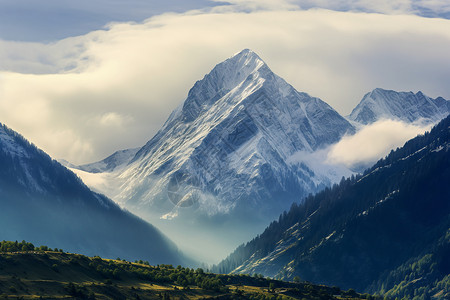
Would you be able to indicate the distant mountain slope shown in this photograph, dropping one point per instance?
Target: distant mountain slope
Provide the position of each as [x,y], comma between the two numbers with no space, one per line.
[358,233]
[116,160]
[43,202]
[404,106]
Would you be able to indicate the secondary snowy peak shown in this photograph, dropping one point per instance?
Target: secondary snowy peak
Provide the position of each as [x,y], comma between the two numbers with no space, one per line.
[109,164]
[404,106]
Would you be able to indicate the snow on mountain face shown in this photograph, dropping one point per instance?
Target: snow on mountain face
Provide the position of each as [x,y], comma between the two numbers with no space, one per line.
[9,144]
[237,152]
[109,164]
[224,154]
[404,106]
[15,148]
[230,141]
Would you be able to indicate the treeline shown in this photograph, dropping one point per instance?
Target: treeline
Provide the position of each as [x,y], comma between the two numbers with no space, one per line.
[181,276]
[184,277]
[9,246]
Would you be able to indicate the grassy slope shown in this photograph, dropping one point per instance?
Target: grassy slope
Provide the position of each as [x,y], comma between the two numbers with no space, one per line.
[54,275]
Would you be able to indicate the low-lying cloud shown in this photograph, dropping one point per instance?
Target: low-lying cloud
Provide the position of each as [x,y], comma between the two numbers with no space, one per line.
[372,142]
[83,98]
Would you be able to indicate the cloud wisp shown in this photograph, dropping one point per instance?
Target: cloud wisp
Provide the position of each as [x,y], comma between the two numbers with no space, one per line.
[372,142]
[83,98]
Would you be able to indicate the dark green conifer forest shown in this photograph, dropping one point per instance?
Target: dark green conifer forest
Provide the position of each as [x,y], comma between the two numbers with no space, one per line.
[385,231]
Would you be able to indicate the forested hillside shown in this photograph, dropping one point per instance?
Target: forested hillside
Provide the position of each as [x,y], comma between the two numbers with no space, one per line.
[43,202]
[368,231]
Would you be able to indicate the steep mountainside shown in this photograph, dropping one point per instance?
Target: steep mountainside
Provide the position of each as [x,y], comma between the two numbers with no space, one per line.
[237,152]
[43,202]
[222,157]
[384,231]
[404,106]
[225,149]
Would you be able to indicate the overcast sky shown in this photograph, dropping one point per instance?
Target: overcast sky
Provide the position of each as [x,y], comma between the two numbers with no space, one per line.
[50,20]
[81,87]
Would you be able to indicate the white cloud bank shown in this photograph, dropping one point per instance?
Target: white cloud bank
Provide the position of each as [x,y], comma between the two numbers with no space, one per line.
[91,95]
[373,142]
[50,20]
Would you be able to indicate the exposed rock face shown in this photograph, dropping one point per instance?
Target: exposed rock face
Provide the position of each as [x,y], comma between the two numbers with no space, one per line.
[404,106]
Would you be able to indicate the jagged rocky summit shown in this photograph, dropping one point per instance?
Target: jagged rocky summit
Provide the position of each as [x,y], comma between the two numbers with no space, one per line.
[404,106]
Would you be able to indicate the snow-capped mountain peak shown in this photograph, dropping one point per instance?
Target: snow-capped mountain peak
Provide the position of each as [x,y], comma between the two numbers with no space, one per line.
[224,152]
[237,152]
[234,70]
[221,80]
[405,106]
